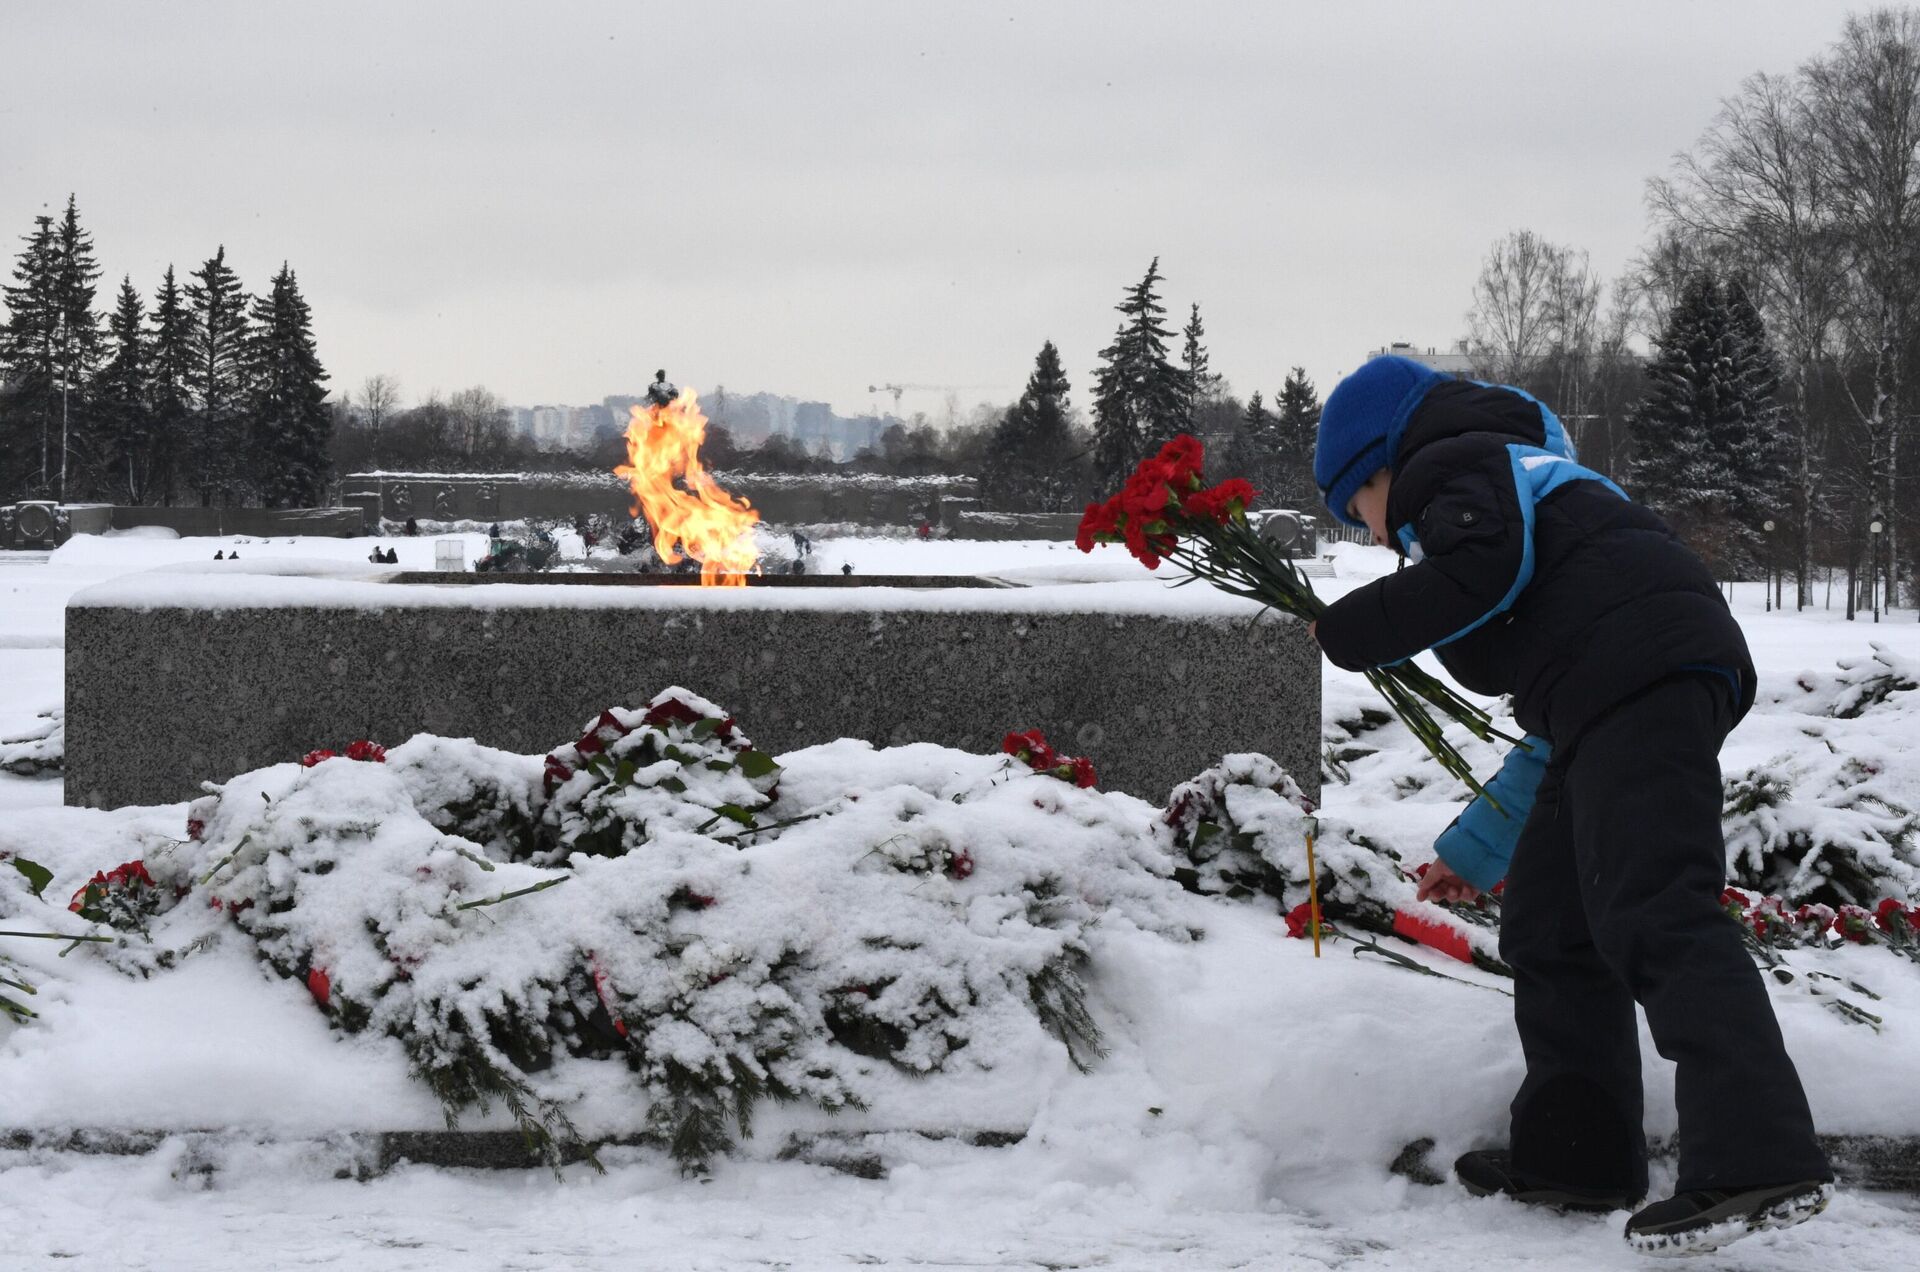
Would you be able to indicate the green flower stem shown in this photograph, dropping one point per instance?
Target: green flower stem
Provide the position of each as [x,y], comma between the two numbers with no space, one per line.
[542,886]
[1233,558]
[61,936]
[1413,965]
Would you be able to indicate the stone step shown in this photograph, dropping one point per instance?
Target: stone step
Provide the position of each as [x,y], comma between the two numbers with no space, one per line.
[1888,1163]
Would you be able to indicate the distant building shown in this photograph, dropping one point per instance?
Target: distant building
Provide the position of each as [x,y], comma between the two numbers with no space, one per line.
[751,418]
[550,426]
[1453,362]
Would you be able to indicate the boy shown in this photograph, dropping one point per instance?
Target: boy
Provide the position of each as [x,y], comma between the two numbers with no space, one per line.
[1533,577]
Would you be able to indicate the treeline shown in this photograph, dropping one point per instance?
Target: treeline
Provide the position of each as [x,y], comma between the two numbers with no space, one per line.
[1778,296]
[1040,457]
[204,394]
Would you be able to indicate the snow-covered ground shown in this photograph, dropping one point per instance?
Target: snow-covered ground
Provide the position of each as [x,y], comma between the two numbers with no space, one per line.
[1244,1117]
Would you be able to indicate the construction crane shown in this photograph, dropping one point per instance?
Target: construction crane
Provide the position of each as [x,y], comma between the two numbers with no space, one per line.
[898,389]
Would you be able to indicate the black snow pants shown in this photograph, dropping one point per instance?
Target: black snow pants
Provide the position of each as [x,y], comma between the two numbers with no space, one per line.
[1613,898]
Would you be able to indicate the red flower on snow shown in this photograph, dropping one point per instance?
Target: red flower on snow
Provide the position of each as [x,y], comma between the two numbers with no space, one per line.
[1033,749]
[1855,923]
[122,877]
[359,749]
[1300,922]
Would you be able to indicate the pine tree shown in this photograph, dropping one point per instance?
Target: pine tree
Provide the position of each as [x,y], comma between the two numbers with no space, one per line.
[28,357]
[1030,461]
[1138,399]
[292,428]
[215,455]
[76,328]
[123,419]
[1297,429]
[170,379]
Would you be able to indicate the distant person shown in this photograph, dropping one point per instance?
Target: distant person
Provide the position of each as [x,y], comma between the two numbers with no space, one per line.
[220,556]
[393,556]
[926,530]
[377,556]
[660,392]
[234,555]
[413,528]
[847,568]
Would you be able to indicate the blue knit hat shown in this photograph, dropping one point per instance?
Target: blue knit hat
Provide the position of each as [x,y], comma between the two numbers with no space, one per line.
[1361,424]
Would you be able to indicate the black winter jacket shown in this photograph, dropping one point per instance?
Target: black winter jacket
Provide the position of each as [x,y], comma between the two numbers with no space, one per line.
[1530,575]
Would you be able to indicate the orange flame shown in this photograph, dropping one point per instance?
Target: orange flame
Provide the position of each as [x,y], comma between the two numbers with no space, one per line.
[690,515]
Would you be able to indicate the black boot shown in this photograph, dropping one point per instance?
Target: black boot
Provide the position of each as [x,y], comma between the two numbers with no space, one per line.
[1485,1172]
[1695,1222]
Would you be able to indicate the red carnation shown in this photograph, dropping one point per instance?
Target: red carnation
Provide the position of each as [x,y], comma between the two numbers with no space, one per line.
[80,898]
[1735,901]
[960,865]
[1032,747]
[312,758]
[600,992]
[320,985]
[1855,923]
[367,751]
[195,828]
[1083,774]
[1889,914]
[1300,922]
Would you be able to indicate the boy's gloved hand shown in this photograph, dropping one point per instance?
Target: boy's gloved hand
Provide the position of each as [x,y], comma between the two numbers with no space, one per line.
[1440,883]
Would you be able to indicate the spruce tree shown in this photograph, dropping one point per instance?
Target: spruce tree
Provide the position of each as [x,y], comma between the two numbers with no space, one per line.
[292,428]
[76,328]
[216,452]
[1250,449]
[1297,430]
[1030,460]
[122,416]
[1709,402]
[1199,385]
[1763,455]
[28,356]
[1139,399]
[170,366]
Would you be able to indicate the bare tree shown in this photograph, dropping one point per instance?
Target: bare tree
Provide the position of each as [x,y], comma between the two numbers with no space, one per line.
[1756,189]
[1865,105]
[379,399]
[478,422]
[1535,320]
[1511,325]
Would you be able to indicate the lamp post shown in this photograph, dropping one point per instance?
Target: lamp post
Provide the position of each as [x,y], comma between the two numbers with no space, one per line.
[1766,588]
[1873,566]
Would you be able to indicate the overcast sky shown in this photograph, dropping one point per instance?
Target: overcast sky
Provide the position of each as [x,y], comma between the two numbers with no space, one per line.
[553,199]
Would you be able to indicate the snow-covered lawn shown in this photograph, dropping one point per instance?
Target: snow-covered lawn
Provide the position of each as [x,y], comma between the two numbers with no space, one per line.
[1244,1116]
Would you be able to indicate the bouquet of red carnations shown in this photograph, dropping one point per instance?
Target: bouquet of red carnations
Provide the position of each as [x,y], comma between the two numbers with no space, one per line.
[1166,513]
